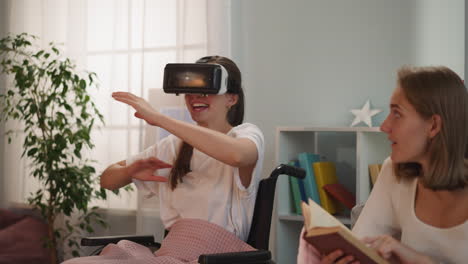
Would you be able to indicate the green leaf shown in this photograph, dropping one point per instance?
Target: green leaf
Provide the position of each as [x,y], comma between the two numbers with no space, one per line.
[68,107]
[82,84]
[32,151]
[65,90]
[33,109]
[77,153]
[38,54]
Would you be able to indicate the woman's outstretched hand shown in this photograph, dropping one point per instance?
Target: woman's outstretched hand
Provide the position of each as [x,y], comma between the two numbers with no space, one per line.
[388,247]
[143,169]
[143,109]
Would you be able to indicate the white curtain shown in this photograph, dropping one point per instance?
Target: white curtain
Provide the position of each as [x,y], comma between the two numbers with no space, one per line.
[48,20]
[127,43]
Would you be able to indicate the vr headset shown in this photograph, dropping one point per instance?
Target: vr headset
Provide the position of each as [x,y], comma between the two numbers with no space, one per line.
[195,78]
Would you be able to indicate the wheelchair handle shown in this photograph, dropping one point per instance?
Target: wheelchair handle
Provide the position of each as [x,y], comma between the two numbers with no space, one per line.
[288,170]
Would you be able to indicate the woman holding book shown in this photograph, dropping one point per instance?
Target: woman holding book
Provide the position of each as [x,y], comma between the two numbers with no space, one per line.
[205,175]
[418,210]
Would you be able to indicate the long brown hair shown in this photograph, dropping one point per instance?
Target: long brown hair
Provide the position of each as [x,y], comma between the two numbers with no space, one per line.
[235,116]
[439,91]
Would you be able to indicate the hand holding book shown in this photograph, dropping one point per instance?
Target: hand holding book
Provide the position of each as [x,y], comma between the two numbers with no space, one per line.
[390,248]
[328,235]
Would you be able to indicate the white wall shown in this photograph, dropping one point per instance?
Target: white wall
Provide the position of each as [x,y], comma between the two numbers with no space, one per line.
[307,63]
[310,62]
[439,33]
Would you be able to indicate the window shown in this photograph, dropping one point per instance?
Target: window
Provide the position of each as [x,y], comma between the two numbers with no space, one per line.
[128,44]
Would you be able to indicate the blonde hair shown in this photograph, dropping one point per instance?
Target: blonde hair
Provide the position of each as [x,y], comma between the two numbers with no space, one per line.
[439,91]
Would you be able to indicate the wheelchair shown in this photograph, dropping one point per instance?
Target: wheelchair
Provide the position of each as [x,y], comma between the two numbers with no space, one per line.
[259,233]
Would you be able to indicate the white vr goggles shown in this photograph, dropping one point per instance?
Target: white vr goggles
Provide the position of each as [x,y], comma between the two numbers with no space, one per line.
[195,78]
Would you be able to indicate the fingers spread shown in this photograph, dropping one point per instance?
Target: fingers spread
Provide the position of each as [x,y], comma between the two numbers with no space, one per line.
[125,100]
[125,97]
[123,94]
[147,165]
[148,175]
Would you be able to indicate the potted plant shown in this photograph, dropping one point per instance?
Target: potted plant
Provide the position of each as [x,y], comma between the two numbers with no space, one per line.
[51,100]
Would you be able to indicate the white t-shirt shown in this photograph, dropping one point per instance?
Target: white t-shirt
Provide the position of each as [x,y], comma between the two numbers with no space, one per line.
[212,191]
[390,210]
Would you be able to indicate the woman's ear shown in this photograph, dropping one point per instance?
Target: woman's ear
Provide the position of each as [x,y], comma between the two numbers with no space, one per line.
[436,125]
[232,99]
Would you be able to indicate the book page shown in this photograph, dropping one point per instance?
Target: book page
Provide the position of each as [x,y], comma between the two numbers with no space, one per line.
[318,217]
[306,214]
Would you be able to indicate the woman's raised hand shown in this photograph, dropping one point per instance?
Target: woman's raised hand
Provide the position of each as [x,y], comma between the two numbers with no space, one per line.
[143,169]
[143,109]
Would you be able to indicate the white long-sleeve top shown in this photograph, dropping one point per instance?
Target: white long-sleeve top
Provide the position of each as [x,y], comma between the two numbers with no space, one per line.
[212,191]
[390,210]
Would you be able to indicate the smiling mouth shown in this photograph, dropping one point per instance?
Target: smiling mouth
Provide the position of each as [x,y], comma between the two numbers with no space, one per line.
[199,107]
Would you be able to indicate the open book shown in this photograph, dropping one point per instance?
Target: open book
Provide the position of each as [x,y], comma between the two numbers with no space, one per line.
[327,234]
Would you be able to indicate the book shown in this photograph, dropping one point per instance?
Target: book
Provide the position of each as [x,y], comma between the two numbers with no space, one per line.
[374,170]
[325,173]
[295,191]
[305,161]
[327,234]
[341,194]
[301,189]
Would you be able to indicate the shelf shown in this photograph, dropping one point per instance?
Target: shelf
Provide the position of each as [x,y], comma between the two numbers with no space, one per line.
[352,149]
[291,217]
[299,218]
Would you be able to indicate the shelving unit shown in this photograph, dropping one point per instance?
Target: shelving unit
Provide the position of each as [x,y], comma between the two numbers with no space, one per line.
[352,149]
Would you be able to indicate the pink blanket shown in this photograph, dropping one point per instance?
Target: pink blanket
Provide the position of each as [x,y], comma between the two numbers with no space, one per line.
[21,239]
[187,240]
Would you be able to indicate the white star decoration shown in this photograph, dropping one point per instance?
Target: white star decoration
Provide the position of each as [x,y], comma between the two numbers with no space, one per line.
[364,115]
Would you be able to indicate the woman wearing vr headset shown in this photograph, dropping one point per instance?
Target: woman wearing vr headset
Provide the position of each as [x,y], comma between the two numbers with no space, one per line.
[208,172]
[418,209]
